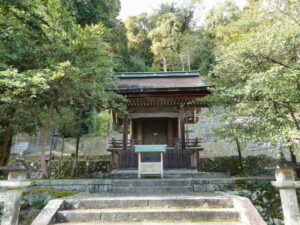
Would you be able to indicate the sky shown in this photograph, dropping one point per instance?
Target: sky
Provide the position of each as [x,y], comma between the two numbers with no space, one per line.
[135,7]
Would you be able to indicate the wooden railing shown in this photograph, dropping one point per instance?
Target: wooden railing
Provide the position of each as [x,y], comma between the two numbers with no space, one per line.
[176,155]
[118,144]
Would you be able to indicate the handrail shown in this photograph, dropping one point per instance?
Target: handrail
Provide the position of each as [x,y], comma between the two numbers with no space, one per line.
[191,143]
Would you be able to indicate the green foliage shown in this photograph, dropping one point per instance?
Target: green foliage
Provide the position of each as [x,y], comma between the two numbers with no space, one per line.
[98,123]
[221,15]
[39,204]
[50,64]
[89,12]
[168,33]
[254,166]
[158,35]
[256,77]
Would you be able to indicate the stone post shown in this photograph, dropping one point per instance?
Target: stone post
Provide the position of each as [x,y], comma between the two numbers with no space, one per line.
[285,181]
[17,174]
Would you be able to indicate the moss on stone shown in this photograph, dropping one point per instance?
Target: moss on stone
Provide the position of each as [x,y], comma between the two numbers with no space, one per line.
[53,192]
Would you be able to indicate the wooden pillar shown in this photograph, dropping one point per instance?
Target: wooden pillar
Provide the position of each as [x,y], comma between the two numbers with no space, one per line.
[140,131]
[198,161]
[182,130]
[125,139]
[170,133]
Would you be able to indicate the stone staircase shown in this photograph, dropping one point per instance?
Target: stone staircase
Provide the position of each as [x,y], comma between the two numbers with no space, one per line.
[150,186]
[158,209]
[151,209]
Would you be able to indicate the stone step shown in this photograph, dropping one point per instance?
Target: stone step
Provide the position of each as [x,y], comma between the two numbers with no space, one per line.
[152,214]
[153,189]
[125,202]
[153,223]
[167,174]
[151,182]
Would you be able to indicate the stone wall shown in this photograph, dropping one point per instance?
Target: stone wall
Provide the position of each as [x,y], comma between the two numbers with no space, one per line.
[263,196]
[77,169]
[81,185]
[1,209]
[68,169]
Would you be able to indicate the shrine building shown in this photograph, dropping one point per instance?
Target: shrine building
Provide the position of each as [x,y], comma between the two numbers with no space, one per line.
[158,108]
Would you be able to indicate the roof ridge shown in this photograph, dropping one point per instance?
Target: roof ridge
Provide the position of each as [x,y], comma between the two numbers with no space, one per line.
[157,74]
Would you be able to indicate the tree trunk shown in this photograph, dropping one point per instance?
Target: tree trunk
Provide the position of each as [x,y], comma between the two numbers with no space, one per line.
[43,152]
[296,122]
[293,156]
[172,64]
[238,145]
[77,147]
[74,167]
[76,156]
[44,143]
[5,145]
[111,127]
[182,62]
[189,60]
[164,61]
[62,151]
[62,148]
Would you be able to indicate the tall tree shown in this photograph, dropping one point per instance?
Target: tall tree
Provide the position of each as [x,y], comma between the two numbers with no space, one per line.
[169,25]
[139,43]
[89,12]
[73,62]
[256,77]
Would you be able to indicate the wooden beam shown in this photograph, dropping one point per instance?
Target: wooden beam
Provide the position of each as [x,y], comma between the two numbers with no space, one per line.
[156,115]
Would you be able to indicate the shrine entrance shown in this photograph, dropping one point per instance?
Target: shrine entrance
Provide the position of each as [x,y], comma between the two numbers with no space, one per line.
[155,131]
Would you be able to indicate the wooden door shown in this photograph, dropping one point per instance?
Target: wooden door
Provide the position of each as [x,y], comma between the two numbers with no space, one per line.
[155,131]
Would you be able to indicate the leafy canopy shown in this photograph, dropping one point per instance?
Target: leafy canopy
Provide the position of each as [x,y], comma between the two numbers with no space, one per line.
[256,75]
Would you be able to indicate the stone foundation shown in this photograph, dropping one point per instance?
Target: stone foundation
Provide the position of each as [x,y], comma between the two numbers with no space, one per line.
[100,186]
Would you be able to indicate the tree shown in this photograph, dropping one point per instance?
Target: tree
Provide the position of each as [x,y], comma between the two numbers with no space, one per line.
[169,25]
[230,129]
[139,43]
[256,77]
[90,12]
[220,15]
[18,108]
[74,64]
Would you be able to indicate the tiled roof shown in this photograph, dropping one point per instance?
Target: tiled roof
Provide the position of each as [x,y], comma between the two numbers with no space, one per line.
[158,74]
[161,83]
[161,80]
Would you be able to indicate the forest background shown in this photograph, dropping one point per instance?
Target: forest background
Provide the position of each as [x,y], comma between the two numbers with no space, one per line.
[58,58]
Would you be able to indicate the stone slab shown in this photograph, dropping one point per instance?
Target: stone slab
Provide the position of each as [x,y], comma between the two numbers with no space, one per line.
[249,214]
[155,223]
[153,189]
[7,184]
[134,215]
[151,182]
[117,202]
[47,215]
